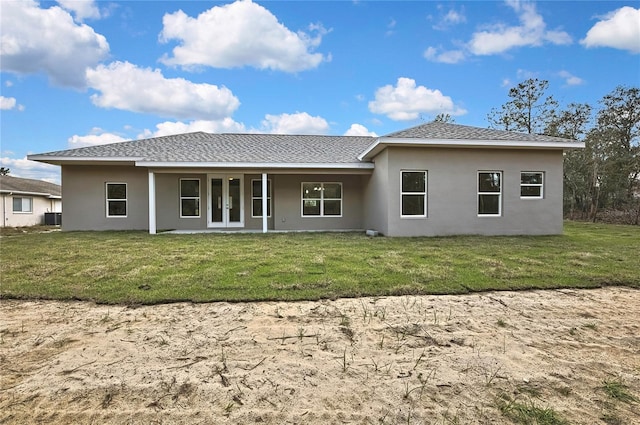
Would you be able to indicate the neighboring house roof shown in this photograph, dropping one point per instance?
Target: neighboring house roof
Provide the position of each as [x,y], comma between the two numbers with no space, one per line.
[290,151]
[20,186]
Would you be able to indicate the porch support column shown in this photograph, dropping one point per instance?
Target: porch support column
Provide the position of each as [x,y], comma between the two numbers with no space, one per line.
[152,203]
[265,202]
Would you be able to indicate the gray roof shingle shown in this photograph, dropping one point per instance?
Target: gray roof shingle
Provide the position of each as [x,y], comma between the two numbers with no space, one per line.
[448,131]
[274,149]
[20,185]
[230,148]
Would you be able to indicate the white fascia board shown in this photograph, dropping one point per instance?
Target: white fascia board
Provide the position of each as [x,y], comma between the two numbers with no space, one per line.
[377,147]
[22,192]
[260,165]
[370,148]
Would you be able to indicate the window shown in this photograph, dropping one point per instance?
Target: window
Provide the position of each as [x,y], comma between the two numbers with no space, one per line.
[531,183]
[321,199]
[413,193]
[116,199]
[490,193]
[189,198]
[256,198]
[22,205]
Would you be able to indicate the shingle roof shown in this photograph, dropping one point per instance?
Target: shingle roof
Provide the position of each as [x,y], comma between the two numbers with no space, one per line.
[229,148]
[278,149]
[20,185]
[448,131]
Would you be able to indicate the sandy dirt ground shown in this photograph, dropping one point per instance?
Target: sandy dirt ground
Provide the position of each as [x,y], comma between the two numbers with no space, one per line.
[390,360]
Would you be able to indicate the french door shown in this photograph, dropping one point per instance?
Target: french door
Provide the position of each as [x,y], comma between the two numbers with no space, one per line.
[226,203]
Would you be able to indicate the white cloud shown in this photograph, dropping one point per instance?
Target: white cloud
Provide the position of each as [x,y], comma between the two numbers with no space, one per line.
[570,79]
[48,40]
[9,103]
[406,101]
[22,167]
[451,18]
[619,29]
[240,34]
[450,56]
[359,130]
[83,9]
[123,85]
[390,27]
[298,123]
[532,31]
[167,128]
[96,137]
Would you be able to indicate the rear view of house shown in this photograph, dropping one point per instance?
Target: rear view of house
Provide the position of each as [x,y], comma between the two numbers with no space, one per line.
[433,179]
[25,201]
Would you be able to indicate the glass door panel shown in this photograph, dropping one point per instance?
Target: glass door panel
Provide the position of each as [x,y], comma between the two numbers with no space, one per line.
[235,215]
[226,206]
[216,200]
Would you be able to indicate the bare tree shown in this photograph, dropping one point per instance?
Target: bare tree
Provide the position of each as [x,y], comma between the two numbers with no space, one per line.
[528,111]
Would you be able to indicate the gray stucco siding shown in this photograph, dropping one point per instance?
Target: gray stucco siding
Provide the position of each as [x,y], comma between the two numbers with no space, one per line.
[376,195]
[288,203]
[452,196]
[85,204]
[255,223]
[285,206]
[168,202]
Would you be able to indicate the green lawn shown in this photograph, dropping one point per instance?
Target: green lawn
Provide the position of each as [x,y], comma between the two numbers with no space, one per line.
[134,267]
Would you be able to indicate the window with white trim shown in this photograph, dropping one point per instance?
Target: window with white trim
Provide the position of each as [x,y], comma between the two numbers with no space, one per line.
[321,199]
[256,198]
[490,193]
[22,205]
[413,194]
[532,184]
[189,198]
[116,199]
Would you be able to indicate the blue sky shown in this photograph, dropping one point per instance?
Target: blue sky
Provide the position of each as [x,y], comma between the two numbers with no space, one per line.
[76,73]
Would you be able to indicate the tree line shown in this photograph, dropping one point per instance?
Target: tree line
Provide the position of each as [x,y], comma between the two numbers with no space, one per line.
[601,181]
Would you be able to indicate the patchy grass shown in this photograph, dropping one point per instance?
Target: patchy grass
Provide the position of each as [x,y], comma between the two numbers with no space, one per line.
[617,390]
[135,267]
[528,413]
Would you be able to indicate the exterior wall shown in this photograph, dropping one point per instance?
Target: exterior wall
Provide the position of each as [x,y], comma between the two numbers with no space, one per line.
[84,194]
[251,222]
[85,200]
[168,203]
[368,201]
[452,182]
[288,203]
[40,205]
[376,195]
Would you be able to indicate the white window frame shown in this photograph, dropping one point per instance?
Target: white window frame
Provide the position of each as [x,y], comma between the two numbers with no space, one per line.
[126,199]
[321,199]
[253,198]
[540,185]
[402,193]
[22,210]
[198,198]
[498,194]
